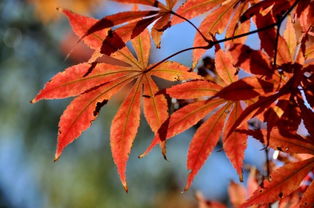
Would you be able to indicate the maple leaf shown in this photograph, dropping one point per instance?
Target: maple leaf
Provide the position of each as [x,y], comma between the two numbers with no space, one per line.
[264,8]
[227,95]
[135,23]
[268,40]
[95,84]
[305,15]
[252,61]
[286,85]
[290,36]
[279,90]
[286,179]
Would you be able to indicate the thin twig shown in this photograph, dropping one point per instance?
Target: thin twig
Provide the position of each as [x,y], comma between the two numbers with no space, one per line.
[212,43]
[191,23]
[172,55]
[245,34]
[289,10]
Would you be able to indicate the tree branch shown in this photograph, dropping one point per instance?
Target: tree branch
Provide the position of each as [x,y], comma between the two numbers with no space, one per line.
[212,43]
[176,53]
[191,23]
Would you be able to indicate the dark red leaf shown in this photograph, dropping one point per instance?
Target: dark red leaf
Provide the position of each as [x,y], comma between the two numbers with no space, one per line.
[245,89]
[252,61]
[283,182]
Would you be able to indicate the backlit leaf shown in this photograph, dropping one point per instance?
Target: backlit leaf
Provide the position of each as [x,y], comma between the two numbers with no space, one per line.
[290,36]
[235,145]
[290,144]
[95,83]
[173,71]
[117,19]
[142,45]
[80,24]
[268,40]
[159,27]
[246,88]
[203,143]
[82,111]
[155,106]
[235,28]
[224,67]
[116,39]
[193,8]
[214,23]
[193,89]
[308,197]
[252,61]
[256,9]
[72,81]
[182,120]
[123,130]
[284,181]
[153,3]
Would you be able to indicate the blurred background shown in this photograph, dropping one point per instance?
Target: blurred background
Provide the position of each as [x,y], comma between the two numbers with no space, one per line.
[34,40]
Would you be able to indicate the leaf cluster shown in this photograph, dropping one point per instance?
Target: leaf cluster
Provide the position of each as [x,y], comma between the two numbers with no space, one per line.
[277,91]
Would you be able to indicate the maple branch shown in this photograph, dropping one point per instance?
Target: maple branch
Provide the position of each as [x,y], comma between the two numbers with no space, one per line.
[245,34]
[212,43]
[278,23]
[288,11]
[176,53]
[191,23]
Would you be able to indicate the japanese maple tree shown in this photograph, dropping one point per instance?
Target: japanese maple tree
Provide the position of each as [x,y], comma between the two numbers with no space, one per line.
[278,91]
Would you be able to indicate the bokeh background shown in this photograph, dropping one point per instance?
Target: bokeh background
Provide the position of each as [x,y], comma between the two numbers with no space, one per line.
[34,41]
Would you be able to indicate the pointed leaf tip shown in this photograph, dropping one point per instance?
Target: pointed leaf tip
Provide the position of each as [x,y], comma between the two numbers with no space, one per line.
[125,187]
[164,149]
[241,177]
[143,154]
[186,188]
[165,157]
[57,157]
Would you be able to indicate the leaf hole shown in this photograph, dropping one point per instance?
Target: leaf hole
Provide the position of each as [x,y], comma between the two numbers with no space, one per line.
[280,195]
[99,105]
[146,96]
[279,148]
